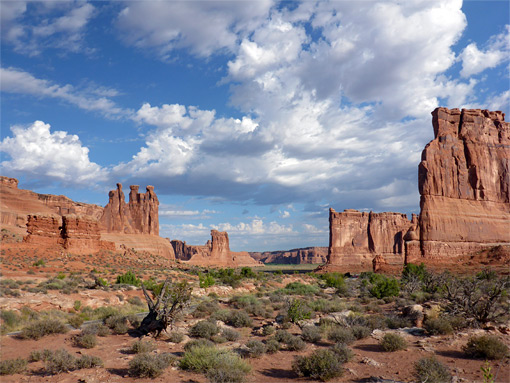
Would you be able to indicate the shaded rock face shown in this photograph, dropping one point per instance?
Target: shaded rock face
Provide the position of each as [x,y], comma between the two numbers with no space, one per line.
[464,183]
[77,234]
[313,255]
[355,238]
[185,252]
[139,216]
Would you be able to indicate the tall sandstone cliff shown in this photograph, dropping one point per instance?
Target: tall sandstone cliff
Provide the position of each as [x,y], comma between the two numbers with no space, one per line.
[138,216]
[464,183]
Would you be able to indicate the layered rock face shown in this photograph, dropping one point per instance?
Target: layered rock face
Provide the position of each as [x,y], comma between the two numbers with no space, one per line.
[464,183]
[138,216]
[215,252]
[77,234]
[355,238]
[312,255]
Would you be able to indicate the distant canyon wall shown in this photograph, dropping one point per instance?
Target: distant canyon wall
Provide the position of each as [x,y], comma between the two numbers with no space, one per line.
[464,183]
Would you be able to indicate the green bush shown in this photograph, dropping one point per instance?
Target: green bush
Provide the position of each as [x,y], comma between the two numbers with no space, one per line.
[201,342]
[175,336]
[75,320]
[397,321]
[39,262]
[272,346]
[221,315]
[88,361]
[60,361]
[204,329]
[135,301]
[98,329]
[12,366]
[268,330]
[142,346]
[9,318]
[361,332]
[295,343]
[341,334]
[129,278]
[86,340]
[343,353]
[311,334]
[283,336]
[297,311]
[227,277]
[430,370]
[42,328]
[149,365]
[230,334]
[255,348]
[228,368]
[384,287]
[335,280]
[37,355]
[321,365]
[486,346]
[298,288]
[206,280]
[439,326]
[393,342]
[239,318]
[412,272]
[247,272]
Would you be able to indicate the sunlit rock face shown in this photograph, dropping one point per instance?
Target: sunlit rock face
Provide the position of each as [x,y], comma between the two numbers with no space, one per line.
[355,238]
[138,216]
[464,183]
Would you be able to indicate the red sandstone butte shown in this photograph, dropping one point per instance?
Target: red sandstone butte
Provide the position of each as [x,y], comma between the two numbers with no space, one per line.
[293,256]
[355,238]
[464,183]
[215,253]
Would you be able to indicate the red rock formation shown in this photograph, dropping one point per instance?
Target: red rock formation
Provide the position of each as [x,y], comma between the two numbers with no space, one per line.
[464,182]
[215,253]
[44,229]
[355,238]
[81,235]
[294,256]
[139,216]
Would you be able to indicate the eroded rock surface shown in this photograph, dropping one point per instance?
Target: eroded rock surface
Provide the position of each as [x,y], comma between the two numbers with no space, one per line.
[464,183]
[293,256]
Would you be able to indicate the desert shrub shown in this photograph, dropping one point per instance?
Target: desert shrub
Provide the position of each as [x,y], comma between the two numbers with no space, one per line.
[39,262]
[283,336]
[485,346]
[298,310]
[136,301]
[458,322]
[230,334]
[88,361]
[244,301]
[268,330]
[201,342]
[239,318]
[175,336]
[204,329]
[439,326]
[321,365]
[360,332]
[149,365]
[206,307]
[9,318]
[221,315]
[295,343]
[272,346]
[311,334]
[38,355]
[199,358]
[86,340]
[227,276]
[376,322]
[12,366]
[397,321]
[228,368]
[393,342]
[218,338]
[60,361]
[75,320]
[430,370]
[343,353]
[341,334]
[335,280]
[141,346]
[255,348]
[206,280]
[43,327]
[298,288]
[384,287]
[98,329]
[129,278]
[119,324]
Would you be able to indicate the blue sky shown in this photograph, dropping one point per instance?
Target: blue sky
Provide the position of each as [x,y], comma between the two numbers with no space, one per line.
[252,117]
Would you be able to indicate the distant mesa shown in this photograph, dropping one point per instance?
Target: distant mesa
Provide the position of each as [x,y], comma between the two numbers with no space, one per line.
[464,183]
[309,255]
